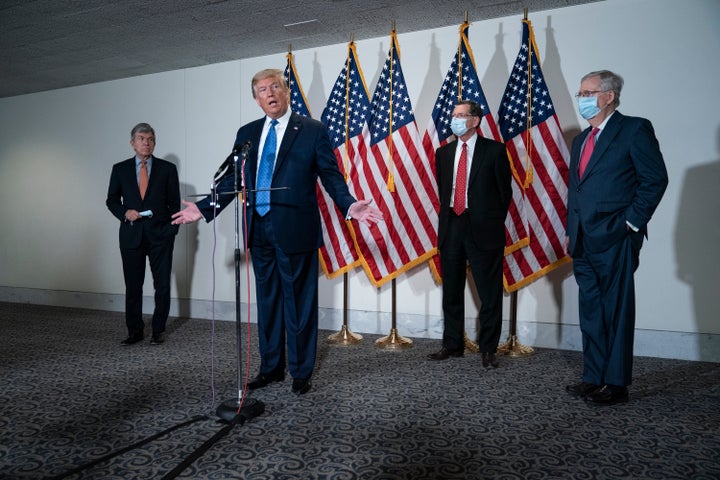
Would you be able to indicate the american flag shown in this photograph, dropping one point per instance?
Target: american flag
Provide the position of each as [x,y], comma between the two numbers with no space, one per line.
[337,254]
[396,174]
[462,83]
[298,102]
[539,156]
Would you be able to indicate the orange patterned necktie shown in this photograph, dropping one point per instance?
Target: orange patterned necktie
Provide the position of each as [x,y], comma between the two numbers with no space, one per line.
[461,182]
[143,183]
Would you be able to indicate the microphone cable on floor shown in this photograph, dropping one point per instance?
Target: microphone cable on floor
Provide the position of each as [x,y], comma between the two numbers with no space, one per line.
[128,448]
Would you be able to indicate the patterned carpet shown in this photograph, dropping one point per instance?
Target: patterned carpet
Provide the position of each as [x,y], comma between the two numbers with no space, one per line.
[75,404]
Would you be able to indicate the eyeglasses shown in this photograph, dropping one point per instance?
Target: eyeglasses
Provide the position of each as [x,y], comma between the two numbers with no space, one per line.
[590,93]
[464,115]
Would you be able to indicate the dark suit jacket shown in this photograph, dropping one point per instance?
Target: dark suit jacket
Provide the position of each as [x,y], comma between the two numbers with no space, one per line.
[304,155]
[623,181]
[162,197]
[489,191]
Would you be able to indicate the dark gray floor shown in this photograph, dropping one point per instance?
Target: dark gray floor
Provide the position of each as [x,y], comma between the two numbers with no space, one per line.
[70,395]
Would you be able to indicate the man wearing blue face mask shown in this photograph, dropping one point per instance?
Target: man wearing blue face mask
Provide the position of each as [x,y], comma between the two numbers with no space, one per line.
[617,178]
[473,178]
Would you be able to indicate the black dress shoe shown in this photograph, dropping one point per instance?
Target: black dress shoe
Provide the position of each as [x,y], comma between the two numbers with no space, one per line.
[608,395]
[301,386]
[133,339]
[581,389]
[157,338]
[262,380]
[444,354]
[489,360]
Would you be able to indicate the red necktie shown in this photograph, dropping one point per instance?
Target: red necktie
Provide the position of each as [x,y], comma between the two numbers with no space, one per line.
[461,182]
[143,183]
[587,151]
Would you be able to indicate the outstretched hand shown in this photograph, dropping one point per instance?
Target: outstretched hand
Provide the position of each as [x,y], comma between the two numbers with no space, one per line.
[191,213]
[363,212]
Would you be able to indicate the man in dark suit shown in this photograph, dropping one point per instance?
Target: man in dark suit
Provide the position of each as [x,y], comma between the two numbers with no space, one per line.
[143,192]
[617,178]
[287,153]
[473,178]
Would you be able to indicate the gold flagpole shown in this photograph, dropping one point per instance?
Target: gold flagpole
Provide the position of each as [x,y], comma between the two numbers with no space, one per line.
[345,336]
[512,346]
[469,345]
[393,341]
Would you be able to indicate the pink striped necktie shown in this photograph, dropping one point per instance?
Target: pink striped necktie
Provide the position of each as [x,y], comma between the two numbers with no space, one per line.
[587,151]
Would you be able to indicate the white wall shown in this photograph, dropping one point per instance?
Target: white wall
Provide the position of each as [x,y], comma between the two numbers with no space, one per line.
[59,242]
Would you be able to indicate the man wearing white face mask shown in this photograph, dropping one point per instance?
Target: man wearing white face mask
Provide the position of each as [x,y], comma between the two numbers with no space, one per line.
[617,178]
[473,178]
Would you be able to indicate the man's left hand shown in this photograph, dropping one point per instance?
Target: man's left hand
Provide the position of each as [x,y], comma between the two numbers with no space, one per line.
[363,212]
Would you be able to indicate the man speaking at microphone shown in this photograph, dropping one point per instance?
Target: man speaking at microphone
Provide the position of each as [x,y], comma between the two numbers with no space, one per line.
[287,154]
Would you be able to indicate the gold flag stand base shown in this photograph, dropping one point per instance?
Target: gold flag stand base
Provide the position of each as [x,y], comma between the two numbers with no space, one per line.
[393,341]
[344,337]
[514,348]
[470,346]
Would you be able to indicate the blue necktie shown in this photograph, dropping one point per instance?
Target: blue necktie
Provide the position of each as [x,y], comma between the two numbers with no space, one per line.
[264,178]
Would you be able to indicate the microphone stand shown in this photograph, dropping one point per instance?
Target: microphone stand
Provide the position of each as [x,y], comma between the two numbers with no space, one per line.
[240,408]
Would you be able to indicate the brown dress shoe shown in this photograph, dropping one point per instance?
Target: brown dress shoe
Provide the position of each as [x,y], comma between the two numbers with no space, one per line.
[157,338]
[444,354]
[489,360]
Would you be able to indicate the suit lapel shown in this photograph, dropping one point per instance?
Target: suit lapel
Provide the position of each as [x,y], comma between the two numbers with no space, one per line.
[477,159]
[132,179]
[608,134]
[155,171]
[253,157]
[577,151]
[448,166]
[291,132]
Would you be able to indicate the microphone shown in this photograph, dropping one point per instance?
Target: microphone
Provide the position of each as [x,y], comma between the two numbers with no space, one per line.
[237,150]
[243,149]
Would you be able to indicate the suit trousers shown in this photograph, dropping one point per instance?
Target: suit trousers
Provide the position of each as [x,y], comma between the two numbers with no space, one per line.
[607,310]
[457,251]
[287,302]
[160,255]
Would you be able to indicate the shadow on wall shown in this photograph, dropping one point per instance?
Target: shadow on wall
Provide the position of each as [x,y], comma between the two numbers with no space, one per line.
[697,237]
[563,98]
[186,246]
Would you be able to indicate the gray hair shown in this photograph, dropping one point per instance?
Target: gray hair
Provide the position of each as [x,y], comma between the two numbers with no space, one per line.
[609,81]
[141,128]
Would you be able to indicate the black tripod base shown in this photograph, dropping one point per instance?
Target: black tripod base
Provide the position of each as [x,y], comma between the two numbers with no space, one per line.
[251,408]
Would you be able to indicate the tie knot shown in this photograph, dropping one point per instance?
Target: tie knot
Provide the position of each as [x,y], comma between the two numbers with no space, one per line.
[464,146]
[594,131]
[273,122]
